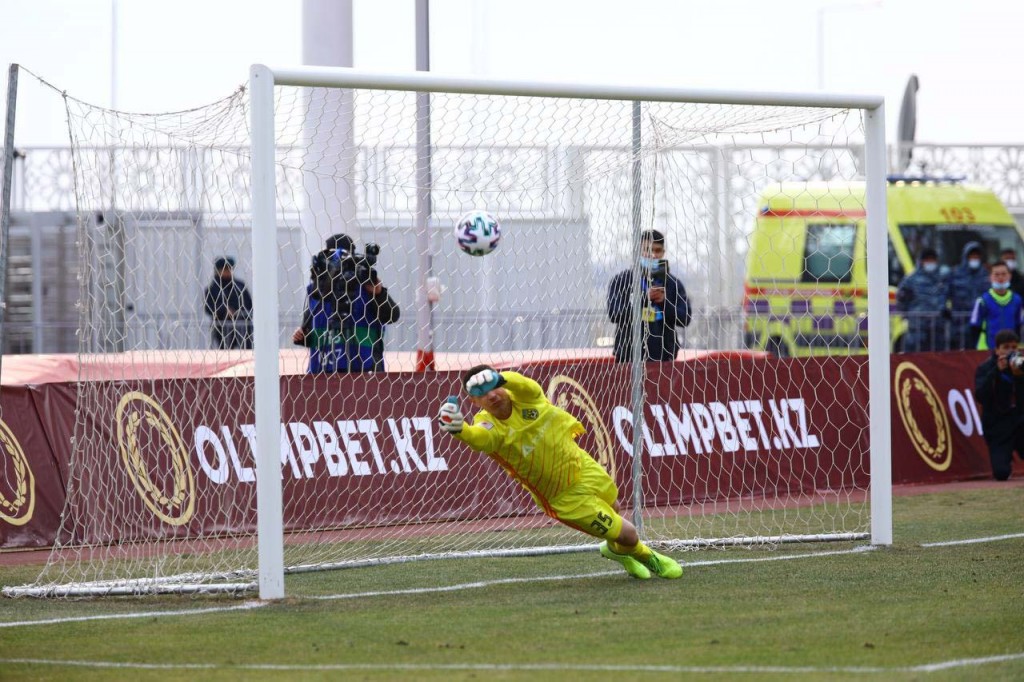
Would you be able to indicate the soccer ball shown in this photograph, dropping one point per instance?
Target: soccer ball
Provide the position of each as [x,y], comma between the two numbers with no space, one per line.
[478,233]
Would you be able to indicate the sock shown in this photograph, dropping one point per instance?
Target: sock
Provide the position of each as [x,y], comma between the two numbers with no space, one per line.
[641,552]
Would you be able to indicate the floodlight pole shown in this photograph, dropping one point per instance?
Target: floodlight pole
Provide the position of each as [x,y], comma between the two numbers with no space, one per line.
[5,200]
[424,207]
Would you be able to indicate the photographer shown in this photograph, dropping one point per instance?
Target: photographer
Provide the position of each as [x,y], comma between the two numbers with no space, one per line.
[999,390]
[347,308]
[665,305]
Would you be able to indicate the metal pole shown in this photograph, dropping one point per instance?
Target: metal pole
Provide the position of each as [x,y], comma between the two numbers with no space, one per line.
[267,384]
[879,389]
[5,200]
[431,82]
[637,340]
[424,183]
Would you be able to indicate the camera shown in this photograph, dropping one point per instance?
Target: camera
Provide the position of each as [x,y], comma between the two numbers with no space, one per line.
[657,275]
[1016,362]
[339,273]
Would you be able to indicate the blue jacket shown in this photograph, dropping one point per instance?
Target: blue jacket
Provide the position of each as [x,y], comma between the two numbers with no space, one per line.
[347,340]
[990,316]
[923,292]
[965,284]
[662,344]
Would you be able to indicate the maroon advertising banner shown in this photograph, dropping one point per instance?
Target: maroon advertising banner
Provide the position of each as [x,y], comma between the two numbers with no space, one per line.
[32,483]
[936,422]
[174,457]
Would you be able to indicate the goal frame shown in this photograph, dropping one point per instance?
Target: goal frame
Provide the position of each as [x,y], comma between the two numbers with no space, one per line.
[262,81]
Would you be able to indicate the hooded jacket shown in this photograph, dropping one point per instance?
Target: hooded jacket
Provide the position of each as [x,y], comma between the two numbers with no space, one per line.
[965,284]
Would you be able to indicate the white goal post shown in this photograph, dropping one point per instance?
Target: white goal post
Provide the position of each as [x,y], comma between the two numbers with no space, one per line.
[263,80]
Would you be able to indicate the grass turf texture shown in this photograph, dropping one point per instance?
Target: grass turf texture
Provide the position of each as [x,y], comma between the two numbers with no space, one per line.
[886,609]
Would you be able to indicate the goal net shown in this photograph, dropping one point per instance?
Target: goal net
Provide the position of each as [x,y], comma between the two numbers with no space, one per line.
[724,383]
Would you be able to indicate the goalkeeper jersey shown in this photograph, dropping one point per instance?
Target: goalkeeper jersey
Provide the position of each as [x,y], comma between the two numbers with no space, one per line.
[536,445]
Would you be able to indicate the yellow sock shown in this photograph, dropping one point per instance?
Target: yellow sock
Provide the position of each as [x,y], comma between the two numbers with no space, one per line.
[641,552]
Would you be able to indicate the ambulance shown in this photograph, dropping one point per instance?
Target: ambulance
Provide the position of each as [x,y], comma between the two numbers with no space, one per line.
[805,290]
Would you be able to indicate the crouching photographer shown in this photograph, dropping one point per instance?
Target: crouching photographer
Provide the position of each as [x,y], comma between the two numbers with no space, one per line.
[347,310]
[999,390]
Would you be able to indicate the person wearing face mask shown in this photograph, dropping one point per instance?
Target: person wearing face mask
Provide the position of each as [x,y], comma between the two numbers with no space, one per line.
[995,310]
[921,296]
[665,305]
[966,283]
[1009,256]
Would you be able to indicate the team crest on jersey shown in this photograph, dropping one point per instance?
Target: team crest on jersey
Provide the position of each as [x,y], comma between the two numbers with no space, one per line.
[530,414]
[486,425]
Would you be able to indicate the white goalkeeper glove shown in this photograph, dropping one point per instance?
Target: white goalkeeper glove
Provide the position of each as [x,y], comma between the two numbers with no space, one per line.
[449,417]
[483,382]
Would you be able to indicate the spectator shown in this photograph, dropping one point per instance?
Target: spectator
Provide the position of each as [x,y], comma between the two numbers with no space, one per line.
[229,303]
[922,297]
[968,281]
[665,305]
[347,310]
[1009,256]
[995,310]
[999,390]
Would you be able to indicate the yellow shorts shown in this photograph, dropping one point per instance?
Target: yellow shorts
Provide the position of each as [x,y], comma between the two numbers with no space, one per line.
[588,505]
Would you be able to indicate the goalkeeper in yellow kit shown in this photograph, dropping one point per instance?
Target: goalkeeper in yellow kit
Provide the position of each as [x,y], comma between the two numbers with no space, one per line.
[535,442]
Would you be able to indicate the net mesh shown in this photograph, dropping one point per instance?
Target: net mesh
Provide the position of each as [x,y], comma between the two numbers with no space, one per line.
[739,446]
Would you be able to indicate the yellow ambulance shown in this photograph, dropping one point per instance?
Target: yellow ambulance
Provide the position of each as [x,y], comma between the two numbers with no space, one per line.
[806,279]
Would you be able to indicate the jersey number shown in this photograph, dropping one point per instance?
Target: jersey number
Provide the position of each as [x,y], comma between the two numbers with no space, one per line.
[602,523]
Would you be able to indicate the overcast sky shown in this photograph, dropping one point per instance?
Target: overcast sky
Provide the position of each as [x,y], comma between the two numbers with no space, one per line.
[177,55]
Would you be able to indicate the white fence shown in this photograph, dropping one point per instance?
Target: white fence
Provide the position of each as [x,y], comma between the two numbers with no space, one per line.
[44,262]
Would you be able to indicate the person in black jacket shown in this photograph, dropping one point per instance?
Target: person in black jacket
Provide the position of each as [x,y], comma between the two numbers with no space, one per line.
[229,303]
[665,305]
[999,390]
[344,330]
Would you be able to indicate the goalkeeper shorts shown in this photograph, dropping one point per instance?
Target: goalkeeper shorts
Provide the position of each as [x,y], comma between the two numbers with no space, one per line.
[589,504]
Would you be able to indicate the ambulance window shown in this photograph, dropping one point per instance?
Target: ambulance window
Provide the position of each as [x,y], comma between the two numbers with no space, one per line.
[828,255]
[895,266]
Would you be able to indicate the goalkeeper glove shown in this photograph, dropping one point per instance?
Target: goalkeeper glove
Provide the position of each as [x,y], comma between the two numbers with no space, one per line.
[449,417]
[483,382]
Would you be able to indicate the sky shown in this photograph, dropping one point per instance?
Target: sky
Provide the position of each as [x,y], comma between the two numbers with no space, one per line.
[178,55]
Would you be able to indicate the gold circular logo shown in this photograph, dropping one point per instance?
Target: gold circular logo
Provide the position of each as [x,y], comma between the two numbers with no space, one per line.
[17,511]
[912,388]
[138,412]
[569,395]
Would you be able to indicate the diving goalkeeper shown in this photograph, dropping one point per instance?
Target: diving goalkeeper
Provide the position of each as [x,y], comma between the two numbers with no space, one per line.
[535,443]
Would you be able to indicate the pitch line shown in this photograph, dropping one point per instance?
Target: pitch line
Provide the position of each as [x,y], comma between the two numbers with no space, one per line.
[420,590]
[463,586]
[144,614]
[973,541]
[527,667]
[600,574]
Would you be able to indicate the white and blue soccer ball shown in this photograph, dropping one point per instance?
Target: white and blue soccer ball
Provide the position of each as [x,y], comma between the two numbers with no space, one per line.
[478,233]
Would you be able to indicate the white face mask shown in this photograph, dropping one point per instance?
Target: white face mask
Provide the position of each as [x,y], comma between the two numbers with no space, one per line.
[1012,264]
[930,267]
[974,263]
[648,263]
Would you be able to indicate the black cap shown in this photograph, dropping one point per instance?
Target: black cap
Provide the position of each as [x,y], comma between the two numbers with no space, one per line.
[929,253]
[653,236]
[224,262]
[340,241]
